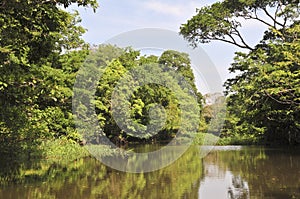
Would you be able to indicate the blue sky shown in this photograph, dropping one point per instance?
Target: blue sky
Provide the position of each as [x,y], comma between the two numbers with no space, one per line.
[118,16]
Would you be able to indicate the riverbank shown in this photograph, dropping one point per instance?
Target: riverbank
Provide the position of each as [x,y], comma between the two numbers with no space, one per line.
[210,139]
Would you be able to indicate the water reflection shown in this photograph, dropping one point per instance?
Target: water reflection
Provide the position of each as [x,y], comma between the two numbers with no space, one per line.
[88,178]
[219,183]
[225,173]
[251,172]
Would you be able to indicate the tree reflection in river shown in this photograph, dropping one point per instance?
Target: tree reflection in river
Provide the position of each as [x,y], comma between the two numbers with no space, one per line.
[88,178]
[253,172]
[225,173]
[221,183]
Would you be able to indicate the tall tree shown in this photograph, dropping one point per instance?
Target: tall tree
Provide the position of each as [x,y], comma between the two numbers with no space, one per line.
[265,96]
[37,66]
[263,99]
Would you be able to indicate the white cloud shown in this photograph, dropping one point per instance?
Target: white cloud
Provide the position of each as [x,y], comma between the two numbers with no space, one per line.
[164,8]
[171,8]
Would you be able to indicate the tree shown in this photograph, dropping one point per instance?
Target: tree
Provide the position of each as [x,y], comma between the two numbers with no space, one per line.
[124,107]
[267,91]
[181,63]
[38,62]
[221,21]
[263,99]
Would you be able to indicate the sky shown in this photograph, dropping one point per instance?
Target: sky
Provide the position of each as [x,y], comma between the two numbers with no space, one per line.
[115,17]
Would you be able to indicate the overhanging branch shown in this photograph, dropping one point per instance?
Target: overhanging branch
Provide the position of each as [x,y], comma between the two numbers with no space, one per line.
[273,18]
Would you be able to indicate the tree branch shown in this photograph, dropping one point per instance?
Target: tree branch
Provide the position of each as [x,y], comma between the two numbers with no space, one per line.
[280,101]
[241,38]
[276,12]
[231,42]
[273,19]
[258,19]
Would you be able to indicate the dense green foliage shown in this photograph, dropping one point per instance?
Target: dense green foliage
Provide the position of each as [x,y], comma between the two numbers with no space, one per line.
[263,99]
[132,102]
[38,62]
[266,99]
[41,52]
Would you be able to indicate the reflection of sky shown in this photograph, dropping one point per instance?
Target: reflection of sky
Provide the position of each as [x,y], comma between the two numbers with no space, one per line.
[118,16]
[218,184]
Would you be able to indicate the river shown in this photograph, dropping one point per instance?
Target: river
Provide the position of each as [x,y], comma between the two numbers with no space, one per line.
[227,172]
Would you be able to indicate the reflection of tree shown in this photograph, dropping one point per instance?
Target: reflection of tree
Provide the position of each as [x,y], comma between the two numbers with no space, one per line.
[218,176]
[239,188]
[268,172]
[88,178]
